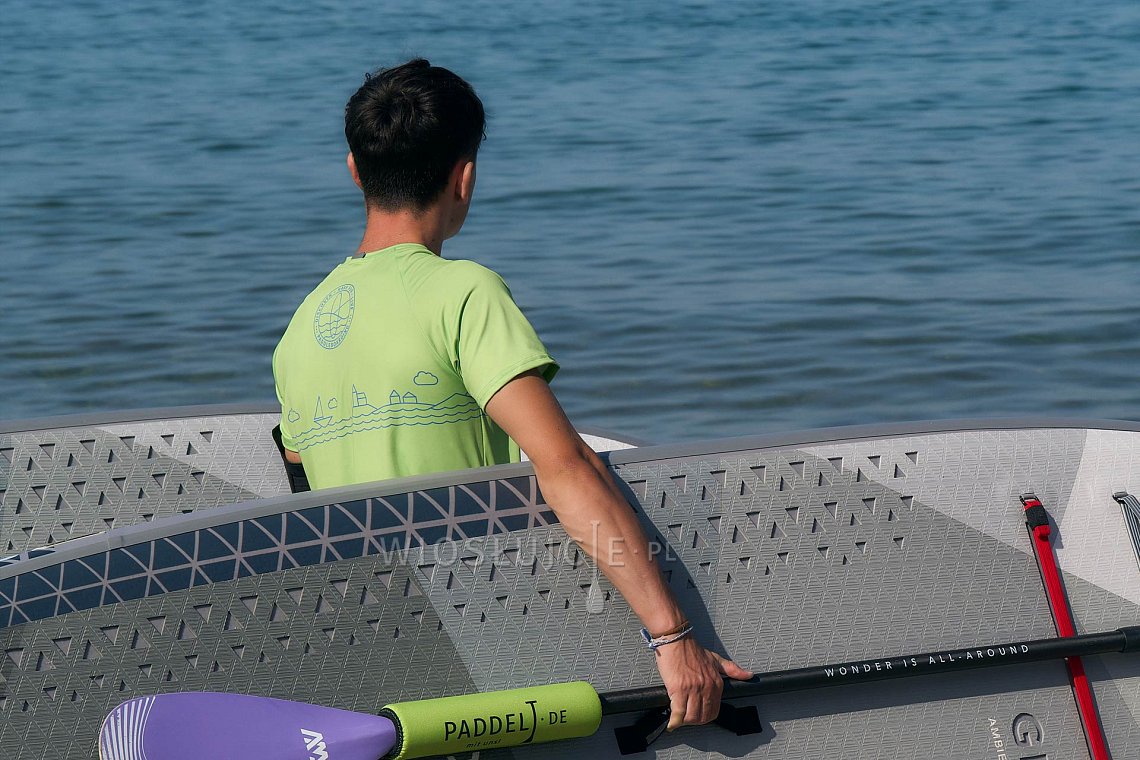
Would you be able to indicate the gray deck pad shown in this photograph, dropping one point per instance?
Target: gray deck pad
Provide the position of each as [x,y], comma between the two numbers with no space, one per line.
[68,477]
[822,548]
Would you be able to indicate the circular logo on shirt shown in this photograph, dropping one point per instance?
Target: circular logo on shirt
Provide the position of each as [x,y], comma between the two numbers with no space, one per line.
[334,316]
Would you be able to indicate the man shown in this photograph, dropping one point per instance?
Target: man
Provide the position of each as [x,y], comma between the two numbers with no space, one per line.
[401,362]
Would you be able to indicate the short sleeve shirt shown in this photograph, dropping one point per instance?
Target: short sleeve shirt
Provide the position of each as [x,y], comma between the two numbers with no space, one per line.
[387,366]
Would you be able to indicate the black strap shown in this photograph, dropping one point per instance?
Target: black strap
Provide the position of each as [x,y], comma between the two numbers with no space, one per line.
[1035,514]
[294,471]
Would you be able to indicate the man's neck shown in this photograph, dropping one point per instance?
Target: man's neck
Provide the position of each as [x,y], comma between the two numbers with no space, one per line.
[384,229]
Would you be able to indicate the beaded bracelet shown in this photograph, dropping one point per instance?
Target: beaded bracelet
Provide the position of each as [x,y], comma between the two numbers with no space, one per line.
[669,638]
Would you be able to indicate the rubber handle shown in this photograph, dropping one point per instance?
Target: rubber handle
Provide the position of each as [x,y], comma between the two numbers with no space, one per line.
[453,725]
[1131,638]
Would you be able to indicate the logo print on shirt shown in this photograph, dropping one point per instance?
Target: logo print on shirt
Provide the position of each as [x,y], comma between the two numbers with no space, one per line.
[334,316]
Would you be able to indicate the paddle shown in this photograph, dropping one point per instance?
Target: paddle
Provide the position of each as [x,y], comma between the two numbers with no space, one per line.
[197,725]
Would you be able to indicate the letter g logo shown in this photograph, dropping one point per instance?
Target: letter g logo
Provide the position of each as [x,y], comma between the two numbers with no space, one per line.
[1027,731]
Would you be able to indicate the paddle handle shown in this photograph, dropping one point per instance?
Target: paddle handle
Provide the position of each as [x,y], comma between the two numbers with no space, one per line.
[1125,639]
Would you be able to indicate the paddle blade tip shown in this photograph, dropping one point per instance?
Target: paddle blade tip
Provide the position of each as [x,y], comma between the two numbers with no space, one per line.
[120,736]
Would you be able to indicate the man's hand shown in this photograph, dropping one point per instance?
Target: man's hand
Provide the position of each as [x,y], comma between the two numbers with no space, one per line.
[694,678]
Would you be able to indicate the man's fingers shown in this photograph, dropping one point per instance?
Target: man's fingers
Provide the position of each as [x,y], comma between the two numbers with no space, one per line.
[731,669]
[713,700]
[676,712]
[697,707]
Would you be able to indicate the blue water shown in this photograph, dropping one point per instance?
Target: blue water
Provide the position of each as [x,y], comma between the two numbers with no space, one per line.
[723,217]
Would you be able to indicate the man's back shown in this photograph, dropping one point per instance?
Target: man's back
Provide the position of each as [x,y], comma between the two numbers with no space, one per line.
[386,366]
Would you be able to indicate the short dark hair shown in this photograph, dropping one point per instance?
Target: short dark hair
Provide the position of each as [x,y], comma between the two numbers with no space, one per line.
[407,127]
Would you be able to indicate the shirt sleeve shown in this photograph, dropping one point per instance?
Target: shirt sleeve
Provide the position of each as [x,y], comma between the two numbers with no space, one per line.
[287,439]
[496,343]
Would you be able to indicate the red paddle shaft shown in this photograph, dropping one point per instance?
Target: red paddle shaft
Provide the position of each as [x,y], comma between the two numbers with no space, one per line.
[1037,519]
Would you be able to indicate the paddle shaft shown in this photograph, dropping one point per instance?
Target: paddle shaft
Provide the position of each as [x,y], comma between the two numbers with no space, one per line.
[859,671]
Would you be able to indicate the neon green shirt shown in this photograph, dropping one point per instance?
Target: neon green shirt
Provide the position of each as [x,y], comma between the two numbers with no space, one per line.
[386,367]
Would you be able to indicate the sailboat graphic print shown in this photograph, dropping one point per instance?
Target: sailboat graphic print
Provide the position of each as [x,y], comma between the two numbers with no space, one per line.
[319,416]
[402,409]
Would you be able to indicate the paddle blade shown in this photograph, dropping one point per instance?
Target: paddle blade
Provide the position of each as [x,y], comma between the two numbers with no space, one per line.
[196,725]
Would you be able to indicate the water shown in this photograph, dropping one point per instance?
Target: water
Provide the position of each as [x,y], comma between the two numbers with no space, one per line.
[723,217]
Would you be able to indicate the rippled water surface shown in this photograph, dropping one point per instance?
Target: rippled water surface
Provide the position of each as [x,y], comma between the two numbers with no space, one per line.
[723,217]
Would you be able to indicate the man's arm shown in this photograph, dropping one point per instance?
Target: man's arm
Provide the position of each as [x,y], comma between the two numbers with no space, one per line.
[596,515]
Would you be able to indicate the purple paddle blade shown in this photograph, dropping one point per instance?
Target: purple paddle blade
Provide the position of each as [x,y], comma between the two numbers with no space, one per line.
[195,725]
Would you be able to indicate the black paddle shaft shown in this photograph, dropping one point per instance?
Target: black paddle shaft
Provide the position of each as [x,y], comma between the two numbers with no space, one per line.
[859,671]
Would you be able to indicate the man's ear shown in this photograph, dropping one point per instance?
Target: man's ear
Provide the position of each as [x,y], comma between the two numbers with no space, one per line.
[465,180]
[352,170]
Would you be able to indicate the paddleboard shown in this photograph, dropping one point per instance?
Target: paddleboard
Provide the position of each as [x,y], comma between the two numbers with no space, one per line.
[786,551]
[66,477]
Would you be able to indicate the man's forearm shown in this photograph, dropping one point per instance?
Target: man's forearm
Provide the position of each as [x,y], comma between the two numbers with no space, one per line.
[596,515]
